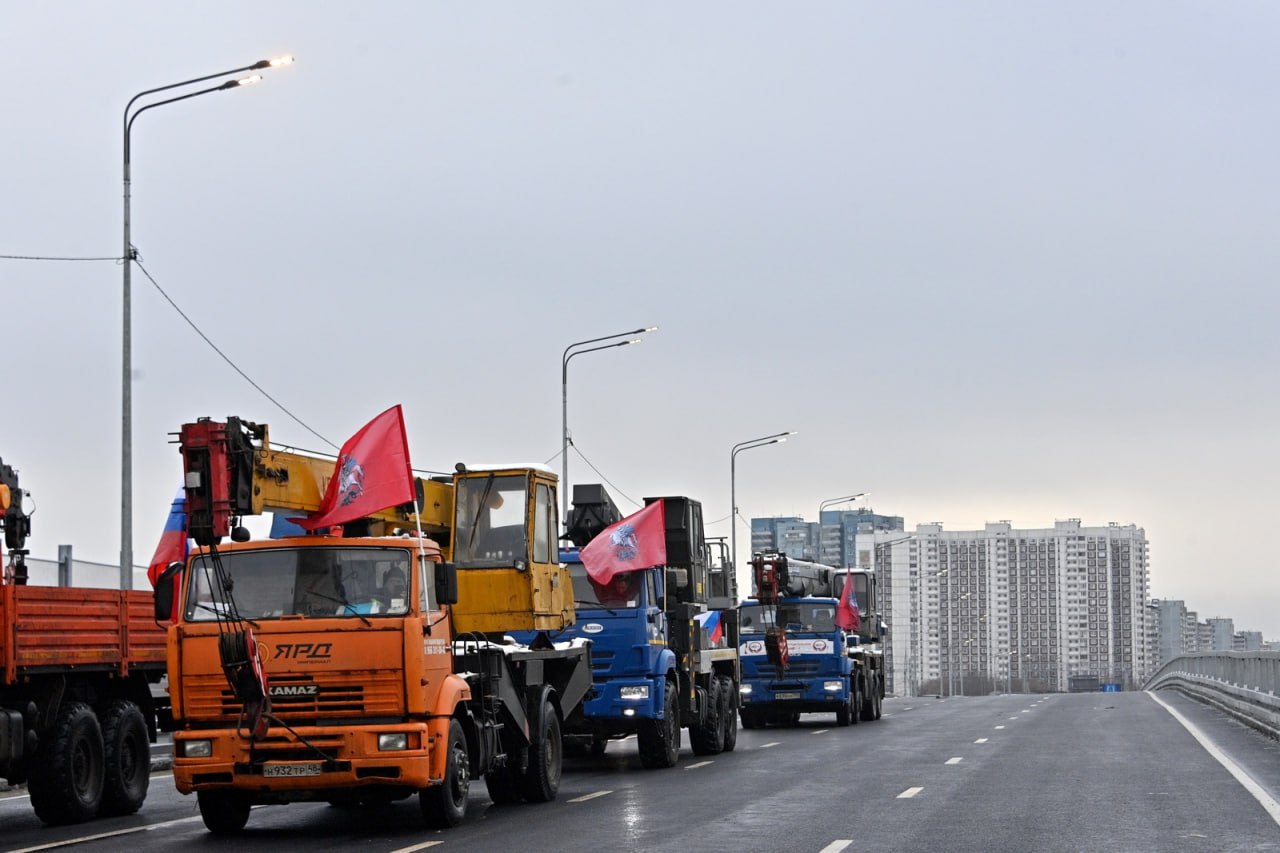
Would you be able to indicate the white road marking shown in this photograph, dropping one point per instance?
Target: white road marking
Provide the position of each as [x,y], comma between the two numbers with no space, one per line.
[590,796]
[423,846]
[954,760]
[767,745]
[1027,711]
[908,708]
[981,740]
[81,840]
[909,793]
[1259,793]
[697,765]
[837,845]
[1013,718]
[819,732]
[999,727]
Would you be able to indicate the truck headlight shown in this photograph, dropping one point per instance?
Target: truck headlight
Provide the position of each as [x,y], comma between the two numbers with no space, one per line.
[196,748]
[393,741]
[634,691]
[744,689]
[832,686]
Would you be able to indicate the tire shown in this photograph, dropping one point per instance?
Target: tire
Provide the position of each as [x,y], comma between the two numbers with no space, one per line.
[871,702]
[751,719]
[445,805]
[504,784]
[878,700]
[127,752]
[223,812]
[729,713]
[855,702]
[708,738]
[659,740]
[67,780]
[541,780]
[845,713]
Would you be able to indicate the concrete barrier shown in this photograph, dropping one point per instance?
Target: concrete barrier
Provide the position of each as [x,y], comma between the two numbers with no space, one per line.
[1242,684]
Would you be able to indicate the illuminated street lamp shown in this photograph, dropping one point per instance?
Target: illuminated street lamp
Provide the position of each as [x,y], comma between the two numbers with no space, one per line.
[564,399]
[126,407]
[749,444]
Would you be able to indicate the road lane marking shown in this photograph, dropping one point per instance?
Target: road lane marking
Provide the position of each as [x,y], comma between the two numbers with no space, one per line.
[909,793]
[999,727]
[81,840]
[1259,793]
[1013,718]
[697,765]
[19,797]
[820,732]
[590,796]
[981,740]
[767,745]
[1026,711]
[423,846]
[837,845]
[954,760]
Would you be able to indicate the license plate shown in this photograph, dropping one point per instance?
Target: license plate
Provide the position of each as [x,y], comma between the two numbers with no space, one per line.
[783,696]
[277,770]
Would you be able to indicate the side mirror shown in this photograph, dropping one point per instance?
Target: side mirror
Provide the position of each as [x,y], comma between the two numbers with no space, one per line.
[164,593]
[446,575]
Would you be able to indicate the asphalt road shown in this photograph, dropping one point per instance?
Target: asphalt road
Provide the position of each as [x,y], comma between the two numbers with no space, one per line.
[1107,772]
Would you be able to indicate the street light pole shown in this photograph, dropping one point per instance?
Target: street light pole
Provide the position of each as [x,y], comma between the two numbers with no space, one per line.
[831,502]
[749,444]
[564,400]
[126,366]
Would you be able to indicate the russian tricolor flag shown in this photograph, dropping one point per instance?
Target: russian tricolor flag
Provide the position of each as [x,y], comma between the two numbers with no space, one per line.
[712,622]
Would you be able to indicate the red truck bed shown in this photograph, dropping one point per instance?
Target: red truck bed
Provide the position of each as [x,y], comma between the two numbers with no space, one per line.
[44,628]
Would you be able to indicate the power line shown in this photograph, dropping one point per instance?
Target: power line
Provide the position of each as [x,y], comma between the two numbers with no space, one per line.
[603,477]
[52,258]
[225,358]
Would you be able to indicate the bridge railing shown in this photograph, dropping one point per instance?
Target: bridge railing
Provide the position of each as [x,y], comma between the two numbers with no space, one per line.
[1244,684]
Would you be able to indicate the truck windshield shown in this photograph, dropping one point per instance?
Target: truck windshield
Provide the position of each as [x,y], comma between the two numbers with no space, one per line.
[277,582]
[794,616]
[490,524]
[622,591]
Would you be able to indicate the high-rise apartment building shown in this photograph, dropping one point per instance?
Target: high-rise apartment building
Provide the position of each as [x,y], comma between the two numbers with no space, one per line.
[1005,608]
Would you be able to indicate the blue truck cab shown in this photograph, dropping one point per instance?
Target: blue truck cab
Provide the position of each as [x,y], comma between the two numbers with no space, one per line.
[664,639]
[795,657]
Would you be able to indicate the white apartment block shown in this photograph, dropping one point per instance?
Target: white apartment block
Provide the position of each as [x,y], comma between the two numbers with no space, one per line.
[978,611]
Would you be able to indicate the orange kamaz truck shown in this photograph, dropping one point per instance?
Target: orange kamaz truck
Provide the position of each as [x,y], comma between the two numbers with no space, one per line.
[77,666]
[369,663]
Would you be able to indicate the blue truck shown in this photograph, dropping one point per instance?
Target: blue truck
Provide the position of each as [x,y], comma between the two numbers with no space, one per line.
[663,640]
[795,657]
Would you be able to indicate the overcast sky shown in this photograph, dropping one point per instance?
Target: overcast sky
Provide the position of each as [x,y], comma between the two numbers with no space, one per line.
[1002,260]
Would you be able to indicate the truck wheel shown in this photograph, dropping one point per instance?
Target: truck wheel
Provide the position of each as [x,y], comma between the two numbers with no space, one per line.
[541,779]
[503,784]
[223,812]
[845,713]
[871,702]
[751,719]
[659,740]
[445,805]
[128,759]
[877,697]
[855,702]
[67,779]
[728,713]
[708,738]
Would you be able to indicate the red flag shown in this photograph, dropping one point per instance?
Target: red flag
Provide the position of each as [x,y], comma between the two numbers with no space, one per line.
[637,542]
[847,616]
[372,473]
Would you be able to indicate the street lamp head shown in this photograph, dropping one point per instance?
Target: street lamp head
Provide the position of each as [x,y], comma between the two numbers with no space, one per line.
[277,62]
[242,81]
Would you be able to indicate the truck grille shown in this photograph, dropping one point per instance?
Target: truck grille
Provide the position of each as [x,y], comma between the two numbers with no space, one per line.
[795,669]
[209,698]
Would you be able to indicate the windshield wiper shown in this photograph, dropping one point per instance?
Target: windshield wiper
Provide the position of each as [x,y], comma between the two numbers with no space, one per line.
[475,519]
[347,604]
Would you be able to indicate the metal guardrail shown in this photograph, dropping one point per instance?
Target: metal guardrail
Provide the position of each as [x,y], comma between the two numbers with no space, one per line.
[1245,685]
